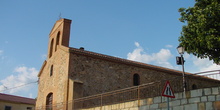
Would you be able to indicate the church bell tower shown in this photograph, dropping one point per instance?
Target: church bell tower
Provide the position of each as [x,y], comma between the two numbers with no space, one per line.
[59,35]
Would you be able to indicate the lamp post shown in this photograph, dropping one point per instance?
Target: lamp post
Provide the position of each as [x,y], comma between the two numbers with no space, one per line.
[180,61]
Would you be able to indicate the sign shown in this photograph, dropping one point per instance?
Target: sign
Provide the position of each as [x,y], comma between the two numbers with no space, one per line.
[167,91]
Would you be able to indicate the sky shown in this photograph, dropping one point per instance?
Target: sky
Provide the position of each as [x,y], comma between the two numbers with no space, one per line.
[141,30]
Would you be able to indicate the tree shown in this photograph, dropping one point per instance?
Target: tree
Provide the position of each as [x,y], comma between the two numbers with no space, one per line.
[200,35]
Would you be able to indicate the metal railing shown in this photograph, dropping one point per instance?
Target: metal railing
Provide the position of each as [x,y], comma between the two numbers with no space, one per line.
[123,95]
[215,74]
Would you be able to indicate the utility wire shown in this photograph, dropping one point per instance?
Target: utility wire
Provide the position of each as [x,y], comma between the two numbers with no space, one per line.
[18,86]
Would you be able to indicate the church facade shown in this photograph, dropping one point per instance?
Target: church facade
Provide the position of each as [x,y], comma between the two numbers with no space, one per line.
[71,73]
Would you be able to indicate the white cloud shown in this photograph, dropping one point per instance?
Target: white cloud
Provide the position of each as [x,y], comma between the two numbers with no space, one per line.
[24,75]
[136,44]
[169,46]
[205,64]
[160,58]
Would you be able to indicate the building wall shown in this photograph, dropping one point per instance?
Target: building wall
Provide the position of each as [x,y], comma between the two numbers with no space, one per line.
[57,83]
[58,57]
[100,75]
[15,106]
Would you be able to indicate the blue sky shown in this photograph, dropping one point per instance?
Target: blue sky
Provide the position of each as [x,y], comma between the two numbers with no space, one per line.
[140,30]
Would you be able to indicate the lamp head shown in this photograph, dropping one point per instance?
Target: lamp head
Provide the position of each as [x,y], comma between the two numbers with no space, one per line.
[181,50]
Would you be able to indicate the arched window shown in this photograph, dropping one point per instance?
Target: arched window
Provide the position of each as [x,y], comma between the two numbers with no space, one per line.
[49,101]
[194,87]
[136,80]
[51,48]
[51,70]
[57,40]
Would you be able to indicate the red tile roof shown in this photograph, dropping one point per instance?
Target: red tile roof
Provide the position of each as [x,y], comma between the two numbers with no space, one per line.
[16,99]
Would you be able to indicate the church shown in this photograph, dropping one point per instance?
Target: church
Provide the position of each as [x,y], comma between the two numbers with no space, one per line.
[69,73]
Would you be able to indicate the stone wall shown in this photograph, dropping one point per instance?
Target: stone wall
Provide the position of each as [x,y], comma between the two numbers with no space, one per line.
[57,83]
[99,75]
[53,76]
[200,99]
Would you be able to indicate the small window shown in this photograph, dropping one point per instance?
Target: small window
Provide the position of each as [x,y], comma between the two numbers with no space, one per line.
[136,80]
[51,48]
[7,107]
[57,40]
[29,108]
[51,70]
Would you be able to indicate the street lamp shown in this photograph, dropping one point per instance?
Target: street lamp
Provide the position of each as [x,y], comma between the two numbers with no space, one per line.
[181,50]
[180,61]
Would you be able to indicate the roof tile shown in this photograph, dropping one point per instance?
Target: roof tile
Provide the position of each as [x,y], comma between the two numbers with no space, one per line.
[16,99]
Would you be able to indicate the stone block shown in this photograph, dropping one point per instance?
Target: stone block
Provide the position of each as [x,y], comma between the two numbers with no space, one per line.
[211,98]
[136,103]
[191,107]
[204,99]
[217,105]
[143,102]
[201,106]
[215,91]
[187,94]
[97,108]
[134,108]
[209,106]
[105,107]
[115,106]
[154,106]
[196,93]
[162,105]
[122,105]
[145,107]
[164,109]
[184,101]
[129,104]
[178,95]
[157,99]
[163,99]
[149,101]
[217,97]
[175,103]
[178,108]
[109,107]
[207,91]
[194,100]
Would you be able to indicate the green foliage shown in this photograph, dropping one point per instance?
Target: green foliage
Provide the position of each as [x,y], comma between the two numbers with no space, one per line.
[201,34]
